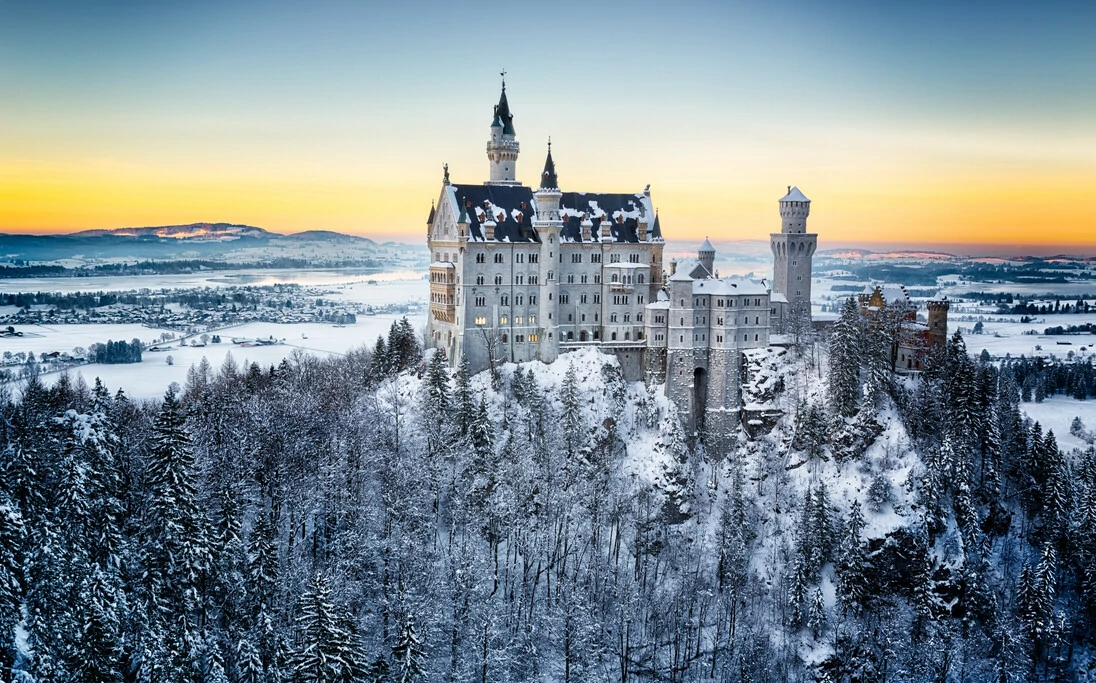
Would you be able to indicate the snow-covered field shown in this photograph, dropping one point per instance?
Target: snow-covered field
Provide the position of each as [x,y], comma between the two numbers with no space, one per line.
[393,284]
[151,377]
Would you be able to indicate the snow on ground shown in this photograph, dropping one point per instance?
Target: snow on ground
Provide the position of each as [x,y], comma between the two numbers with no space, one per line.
[151,377]
[48,338]
[1057,412]
[1000,338]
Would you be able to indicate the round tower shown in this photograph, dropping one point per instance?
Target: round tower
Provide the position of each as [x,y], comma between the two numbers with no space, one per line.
[549,224]
[793,251]
[502,147]
[938,322]
[706,256]
[794,209]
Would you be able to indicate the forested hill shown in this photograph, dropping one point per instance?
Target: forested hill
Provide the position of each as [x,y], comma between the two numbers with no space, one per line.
[377,517]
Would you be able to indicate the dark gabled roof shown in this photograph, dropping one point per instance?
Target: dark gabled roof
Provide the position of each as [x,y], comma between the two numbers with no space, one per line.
[433,212]
[479,201]
[503,117]
[622,210]
[656,230]
[548,179]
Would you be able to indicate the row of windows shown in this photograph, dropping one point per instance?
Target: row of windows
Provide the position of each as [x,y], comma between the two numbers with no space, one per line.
[534,257]
[504,300]
[519,279]
[520,338]
[627,279]
[441,299]
[627,317]
[719,338]
[518,320]
[701,301]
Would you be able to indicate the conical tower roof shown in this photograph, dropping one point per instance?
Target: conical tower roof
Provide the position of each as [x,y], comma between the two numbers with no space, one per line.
[548,179]
[706,246]
[503,117]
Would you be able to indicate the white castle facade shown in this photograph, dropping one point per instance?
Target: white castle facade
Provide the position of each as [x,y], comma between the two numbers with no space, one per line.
[522,274]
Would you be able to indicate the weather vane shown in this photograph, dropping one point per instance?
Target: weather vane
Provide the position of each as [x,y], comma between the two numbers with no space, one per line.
[503,74]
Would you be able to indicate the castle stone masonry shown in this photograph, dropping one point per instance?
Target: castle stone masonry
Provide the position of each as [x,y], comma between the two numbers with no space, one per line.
[521,274]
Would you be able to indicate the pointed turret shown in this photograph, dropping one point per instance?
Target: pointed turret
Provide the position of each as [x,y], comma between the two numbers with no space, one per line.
[548,179]
[502,148]
[433,212]
[656,229]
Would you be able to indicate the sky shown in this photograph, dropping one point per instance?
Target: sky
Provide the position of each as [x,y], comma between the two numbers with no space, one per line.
[928,123]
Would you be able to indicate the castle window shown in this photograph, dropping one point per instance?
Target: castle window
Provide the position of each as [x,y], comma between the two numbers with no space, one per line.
[481,320]
[597,278]
[520,258]
[563,298]
[595,258]
[794,262]
[755,337]
[612,317]
[498,279]
[614,336]
[627,317]
[597,298]
[613,278]
[597,316]
[633,258]
[682,338]
[627,336]
[597,335]
[517,299]
[504,320]
[614,258]
[570,317]
[533,337]
[570,336]
[584,278]
[583,317]
[505,338]
[640,278]
[504,300]
[532,320]
[719,338]
[534,258]
[682,323]
[639,299]
[757,320]
[639,317]
[719,321]
[576,258]
[481,301]
[520,338]
[534,279]
[570,279]
[582,298]
[498,258]
[518,320]
[479,279]
[798,277]
[481,258]
[520,279]
[745,337]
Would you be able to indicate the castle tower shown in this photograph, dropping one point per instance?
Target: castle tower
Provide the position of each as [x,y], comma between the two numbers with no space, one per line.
[549,224]
[706,256]
[938,322]
[793,249]
[502,148]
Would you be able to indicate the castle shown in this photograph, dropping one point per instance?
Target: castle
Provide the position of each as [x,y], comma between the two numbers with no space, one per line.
[519,274]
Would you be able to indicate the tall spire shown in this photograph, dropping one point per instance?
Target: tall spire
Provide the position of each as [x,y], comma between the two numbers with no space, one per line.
[548,179]
[503,116]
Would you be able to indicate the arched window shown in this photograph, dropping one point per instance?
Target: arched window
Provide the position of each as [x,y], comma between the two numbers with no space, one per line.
[498,279]
[505,338]
[479,279]
[570,336]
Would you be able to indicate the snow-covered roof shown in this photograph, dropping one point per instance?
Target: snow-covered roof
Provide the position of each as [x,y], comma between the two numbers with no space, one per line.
[794,195]
[623,212]
[729,287]
[442,264]
[778,298]
[510,208]
[680,276]
[661,303]
[706,246]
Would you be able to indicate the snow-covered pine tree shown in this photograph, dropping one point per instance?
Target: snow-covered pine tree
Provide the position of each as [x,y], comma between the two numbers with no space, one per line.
[845,356]
[464,401]
[320,655]
[816,616]
[853,566]
[12,535]
[175,548]
[408,655]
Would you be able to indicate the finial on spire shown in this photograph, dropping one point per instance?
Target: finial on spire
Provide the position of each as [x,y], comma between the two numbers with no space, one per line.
[503,74]
[549,144]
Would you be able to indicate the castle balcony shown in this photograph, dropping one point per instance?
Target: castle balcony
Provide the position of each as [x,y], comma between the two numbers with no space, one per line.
[443,291]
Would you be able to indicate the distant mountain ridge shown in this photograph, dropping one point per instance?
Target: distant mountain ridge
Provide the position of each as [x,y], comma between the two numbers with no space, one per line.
[226,242]
[202,231]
